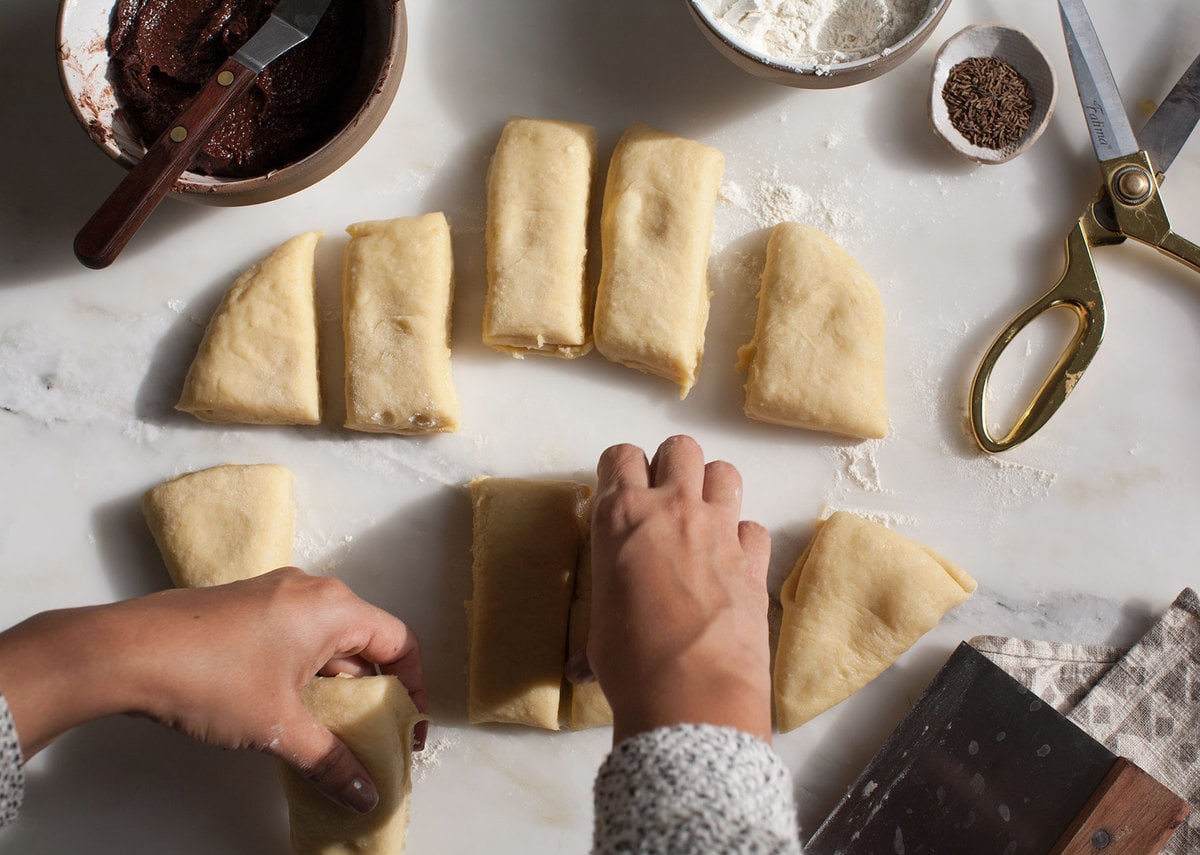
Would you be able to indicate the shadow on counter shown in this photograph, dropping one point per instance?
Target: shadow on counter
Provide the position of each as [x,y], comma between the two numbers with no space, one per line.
[53,176]
[627,60]
[135,787]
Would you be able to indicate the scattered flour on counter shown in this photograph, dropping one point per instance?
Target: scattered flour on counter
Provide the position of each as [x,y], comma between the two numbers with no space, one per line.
[859,465]
[430,757]
[321,554]
[770,200]
[815,32]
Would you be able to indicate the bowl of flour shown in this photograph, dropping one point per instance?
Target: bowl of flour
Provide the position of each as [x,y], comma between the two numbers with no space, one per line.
[817,44]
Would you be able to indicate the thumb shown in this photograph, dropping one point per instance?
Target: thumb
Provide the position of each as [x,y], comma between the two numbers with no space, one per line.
[327,762]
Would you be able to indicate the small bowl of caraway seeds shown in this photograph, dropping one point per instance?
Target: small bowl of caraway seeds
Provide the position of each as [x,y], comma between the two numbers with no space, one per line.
[993,93]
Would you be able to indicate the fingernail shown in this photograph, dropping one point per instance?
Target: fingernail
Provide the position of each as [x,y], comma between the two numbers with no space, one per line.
[420,734]
[360,795]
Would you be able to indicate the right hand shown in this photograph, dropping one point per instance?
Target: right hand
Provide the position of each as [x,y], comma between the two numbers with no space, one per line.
[679,599]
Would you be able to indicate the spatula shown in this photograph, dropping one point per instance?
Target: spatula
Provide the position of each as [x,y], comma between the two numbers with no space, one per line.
[104,236]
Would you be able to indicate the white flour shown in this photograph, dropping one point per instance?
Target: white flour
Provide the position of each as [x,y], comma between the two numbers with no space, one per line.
[815,32]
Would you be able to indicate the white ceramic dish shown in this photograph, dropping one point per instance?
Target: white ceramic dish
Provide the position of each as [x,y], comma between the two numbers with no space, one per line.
[1018,50]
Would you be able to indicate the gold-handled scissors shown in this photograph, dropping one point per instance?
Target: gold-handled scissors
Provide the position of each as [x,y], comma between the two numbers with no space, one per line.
[1128,205]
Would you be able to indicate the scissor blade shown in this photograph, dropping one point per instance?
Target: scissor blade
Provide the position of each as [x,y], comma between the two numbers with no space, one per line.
[292,22]
[1109,126]
[1169,128]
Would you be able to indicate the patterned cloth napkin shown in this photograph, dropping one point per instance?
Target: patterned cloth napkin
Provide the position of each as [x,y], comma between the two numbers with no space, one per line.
[1142,703]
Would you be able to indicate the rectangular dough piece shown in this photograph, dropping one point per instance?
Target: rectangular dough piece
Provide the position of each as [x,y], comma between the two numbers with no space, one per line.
[375,717]
[397,288]
[223,524]
[589,706]
[526,540]
[816,360]
[538,194]
[655,230]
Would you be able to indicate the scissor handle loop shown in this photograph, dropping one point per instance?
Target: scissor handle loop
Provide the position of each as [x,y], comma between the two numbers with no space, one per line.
[1078,290]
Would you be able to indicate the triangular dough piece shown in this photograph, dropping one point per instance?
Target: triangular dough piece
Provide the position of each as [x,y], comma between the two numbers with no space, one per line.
[816,358]
[223,524]
[375,717]
[859,597]
[257,363]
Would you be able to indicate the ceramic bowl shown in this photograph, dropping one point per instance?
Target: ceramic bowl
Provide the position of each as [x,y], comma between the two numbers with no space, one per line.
[805,75]
[1019,51]
[83,67]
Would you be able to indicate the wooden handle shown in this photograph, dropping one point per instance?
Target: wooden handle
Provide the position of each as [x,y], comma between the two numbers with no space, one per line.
[104,236]
[1130,813]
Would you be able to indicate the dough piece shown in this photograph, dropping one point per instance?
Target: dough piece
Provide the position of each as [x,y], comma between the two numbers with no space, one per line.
[589,706]
[223,524]
[257,362]
[375,717]
[655,229]
[816,359]
[397,287]
[539,187]
[859,597]
[526,541]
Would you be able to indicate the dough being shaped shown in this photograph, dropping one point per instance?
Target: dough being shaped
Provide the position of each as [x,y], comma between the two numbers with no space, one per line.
[257,362]
[655,230]
[539,187]
[859,597]
[526,541]
[223,524]
[397,287]
[375,717]
[816,359]
[589,707]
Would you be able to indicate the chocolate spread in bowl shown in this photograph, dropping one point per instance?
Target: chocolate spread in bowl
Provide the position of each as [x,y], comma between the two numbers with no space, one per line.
[163,51]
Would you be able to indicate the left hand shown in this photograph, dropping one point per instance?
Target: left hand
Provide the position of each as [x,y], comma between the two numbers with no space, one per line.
[223,665]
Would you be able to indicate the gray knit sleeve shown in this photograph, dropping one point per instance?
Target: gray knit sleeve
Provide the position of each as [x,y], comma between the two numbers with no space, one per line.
[694,789]
[12,767]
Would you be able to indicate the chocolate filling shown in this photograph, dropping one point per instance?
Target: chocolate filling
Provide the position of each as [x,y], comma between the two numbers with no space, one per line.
[163,51]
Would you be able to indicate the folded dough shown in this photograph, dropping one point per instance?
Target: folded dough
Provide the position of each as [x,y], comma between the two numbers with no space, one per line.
[816,358]
[375,717]
[397,287]
[538,190]
[655,229]
[589,707]
[257,362]
[526,540]
[859,597]
[223,524]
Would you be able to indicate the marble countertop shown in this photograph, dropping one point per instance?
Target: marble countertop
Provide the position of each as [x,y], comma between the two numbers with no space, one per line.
[1084,533]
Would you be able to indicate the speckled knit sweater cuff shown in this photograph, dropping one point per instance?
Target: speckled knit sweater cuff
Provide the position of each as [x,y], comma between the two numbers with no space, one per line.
[694,789]
[12,767]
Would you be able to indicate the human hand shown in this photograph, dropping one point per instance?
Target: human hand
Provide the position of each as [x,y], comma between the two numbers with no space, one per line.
[679,597]
[224,665]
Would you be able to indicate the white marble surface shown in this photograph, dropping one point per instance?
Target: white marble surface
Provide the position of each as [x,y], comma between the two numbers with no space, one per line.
[1082,534]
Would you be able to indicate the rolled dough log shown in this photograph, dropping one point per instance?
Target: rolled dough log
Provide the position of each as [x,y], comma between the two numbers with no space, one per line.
[397,287]
[223,524]
[257,362]
[655,229]
[859,596]
[539,187]
[526,541]
[816,358]
[589,706]
[375,717]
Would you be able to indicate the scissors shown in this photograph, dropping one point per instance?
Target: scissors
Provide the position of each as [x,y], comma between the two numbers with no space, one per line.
[1128,205]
